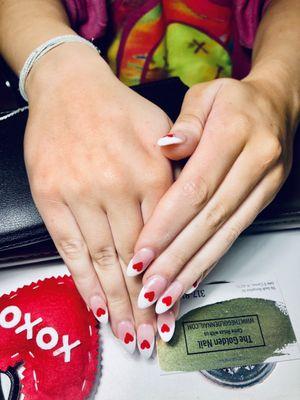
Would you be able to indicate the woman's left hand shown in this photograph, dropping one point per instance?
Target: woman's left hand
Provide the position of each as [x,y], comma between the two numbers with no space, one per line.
[239,136]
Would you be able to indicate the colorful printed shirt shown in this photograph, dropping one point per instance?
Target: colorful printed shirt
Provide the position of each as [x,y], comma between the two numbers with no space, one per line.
[197,40]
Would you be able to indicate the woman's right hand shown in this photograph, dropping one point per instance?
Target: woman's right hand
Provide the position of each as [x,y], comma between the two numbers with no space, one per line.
[96,175]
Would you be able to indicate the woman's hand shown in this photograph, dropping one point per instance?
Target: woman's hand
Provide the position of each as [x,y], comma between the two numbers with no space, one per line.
[96,174]
[239,136]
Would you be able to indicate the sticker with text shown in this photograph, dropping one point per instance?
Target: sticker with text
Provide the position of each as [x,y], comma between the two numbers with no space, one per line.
[228,325]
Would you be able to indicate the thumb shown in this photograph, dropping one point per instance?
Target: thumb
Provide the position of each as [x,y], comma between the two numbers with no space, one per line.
[186,132]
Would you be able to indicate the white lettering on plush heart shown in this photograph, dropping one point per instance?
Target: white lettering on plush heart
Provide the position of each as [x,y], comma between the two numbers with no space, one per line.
[66,348]
[28,326]
[47,331]
[17,314]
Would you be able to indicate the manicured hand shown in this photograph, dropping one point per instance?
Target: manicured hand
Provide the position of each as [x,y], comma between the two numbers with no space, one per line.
[96,176]
[239,136]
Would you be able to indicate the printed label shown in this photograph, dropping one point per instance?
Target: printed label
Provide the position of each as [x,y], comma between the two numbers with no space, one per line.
[222,334]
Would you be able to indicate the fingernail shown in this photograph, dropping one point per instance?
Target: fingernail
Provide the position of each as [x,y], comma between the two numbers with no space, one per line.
[193,287]
[166,325]
[126,334]
[145,340]
[168,298]
[171,138]
[151,291]
[140,262]
[99,309]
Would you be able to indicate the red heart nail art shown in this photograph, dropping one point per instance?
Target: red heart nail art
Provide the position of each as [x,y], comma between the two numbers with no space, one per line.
[164,328]
[145,344]
[170,135]
[100,312]
[195,284]
[128,338]
[149,296]
[167,300]
[138,266]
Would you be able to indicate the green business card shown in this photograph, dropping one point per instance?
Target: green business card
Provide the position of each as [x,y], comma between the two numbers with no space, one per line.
[230,333]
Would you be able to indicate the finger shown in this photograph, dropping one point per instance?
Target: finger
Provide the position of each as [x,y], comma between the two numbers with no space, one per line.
[197,183]
[71,246]
[186,132]
[145,256]
[126,223]
[223,204]
[97,233]
[197,282]
[176,309]
[208,256]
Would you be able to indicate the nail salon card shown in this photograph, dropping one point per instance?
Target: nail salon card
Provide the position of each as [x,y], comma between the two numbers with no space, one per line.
[228,325]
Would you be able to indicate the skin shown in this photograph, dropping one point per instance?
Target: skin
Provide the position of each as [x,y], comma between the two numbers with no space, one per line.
[94,168]
[238,135]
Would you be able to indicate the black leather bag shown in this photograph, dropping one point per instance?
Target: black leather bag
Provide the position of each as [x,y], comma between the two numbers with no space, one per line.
[23,236]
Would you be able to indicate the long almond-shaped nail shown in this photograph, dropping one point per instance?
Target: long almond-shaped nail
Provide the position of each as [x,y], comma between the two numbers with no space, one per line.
[168,298]
[99,309]
[127,336]
[193,287]
[171,138]
[145,340]
[166,325]
[150,292]
[140,262]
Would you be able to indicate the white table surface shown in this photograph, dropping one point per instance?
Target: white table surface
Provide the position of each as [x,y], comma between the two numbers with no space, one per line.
[126,377]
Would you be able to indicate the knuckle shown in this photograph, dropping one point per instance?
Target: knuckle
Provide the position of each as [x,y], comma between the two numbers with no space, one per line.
[104,257]
[195,92]
[176,259]
[270,151]
[42,187]
[216,216]
[78,190]
[72,248]
[83,278]
[191,120]
[116,300]
[113,179]
[241,123]
[232,234]
[156,179]
[196,192]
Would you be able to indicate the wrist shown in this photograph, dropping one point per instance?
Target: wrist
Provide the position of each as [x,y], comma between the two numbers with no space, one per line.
[65,63]
[281,86]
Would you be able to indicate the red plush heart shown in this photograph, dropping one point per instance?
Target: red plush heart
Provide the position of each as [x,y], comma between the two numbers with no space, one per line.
[145,344]
[165,328]
[149,296]
[128,338]
[138,266]
[47,327]
[167,300]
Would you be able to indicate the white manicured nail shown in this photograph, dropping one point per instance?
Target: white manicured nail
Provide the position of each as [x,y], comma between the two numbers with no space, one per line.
[166,325]
[169,139]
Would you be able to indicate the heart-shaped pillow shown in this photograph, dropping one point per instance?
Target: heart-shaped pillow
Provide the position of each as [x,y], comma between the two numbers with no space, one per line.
[47,327]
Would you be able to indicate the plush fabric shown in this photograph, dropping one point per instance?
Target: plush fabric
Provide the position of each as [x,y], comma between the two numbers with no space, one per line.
[53,313]
[89,18]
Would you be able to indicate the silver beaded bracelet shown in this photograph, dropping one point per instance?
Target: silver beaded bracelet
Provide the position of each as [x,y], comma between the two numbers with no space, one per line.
[43,49]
